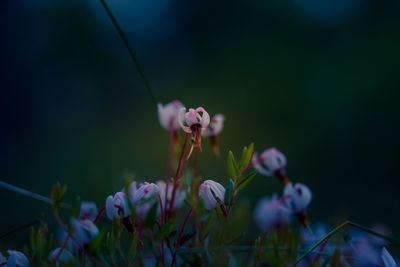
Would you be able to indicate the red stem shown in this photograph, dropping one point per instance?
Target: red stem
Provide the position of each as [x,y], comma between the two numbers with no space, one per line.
[180,235]
[63,247]
[234,187]
[170,157]
[161,220]
[321,249]
[99,214]
[176,176]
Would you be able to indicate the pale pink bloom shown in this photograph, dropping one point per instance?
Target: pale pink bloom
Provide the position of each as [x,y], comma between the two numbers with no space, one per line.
[270,213]
[142,194]
[117,205]
[169,115]
[387,259]
[84,231]
[179,195]
[215,127]
[88,210]
[212,193]
[297,197]
[64,257]
[271,162]
[195,121]
[17,258]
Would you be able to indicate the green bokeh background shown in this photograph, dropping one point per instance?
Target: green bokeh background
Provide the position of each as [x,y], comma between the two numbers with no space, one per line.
[319,81]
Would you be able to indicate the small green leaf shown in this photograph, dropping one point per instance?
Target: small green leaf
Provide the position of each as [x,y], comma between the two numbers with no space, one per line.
[228,192]
[232,167]
[164,231]
[248,156]
[246,180]
[151,216]
[242,160]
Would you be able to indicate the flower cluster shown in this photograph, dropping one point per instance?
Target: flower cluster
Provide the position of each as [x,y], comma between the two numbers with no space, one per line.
[156,216]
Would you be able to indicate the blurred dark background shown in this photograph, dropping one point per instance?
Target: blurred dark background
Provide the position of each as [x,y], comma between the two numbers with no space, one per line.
[317,79]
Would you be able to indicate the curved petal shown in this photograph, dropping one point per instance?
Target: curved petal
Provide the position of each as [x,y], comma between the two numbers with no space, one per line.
[205,118]
[110,210]
[387,258]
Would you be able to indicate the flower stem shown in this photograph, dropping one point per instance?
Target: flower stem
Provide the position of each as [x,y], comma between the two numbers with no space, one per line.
[169,168]
[161,220]
[176,178]
[19,228]
[131,53]
[180,235]
[99,214]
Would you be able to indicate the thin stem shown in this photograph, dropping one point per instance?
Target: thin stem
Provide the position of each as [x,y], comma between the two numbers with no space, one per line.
[131,53]
[171,205]
[31,194]
[99,214]
[180,235]
[234,187]
[169,168]
[62,225]
[161,220]
[331,233]
[19,228]
[63,247]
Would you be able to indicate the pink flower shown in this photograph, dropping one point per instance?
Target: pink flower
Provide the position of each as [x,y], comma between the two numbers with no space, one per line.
[168,115]
[297,198]
[212,193]
[271,213]
[88,210]
[117,206]
[213,130]
[179,195]
[144,192]
[272,159]
[387,259]
[195,122]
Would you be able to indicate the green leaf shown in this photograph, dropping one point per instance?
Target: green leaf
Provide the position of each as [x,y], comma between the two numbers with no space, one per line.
[248,156]
[151,216]
[242,160]
[246,180]
[228,192]
[232,167]
[164,231]
[57,195]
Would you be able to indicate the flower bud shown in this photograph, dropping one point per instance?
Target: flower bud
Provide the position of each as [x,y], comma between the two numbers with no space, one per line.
[117,206]
[84,231]
[64,257]
[270,213]
[179,195]
[387,259]
[144,192]
[212,193]
[271,162]
[168,115]
[88,210]
[297,198]
[16,258]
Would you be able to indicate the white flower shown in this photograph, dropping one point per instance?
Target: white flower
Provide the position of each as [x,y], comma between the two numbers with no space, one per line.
[144,192]
[65,255]
[195,121]
[211,192]
[215,127]
[270,213]
[17,258]
[169,115]
[297,197]
[84,231]
[179,195]
[88,210]
[272,159]
[387,259]
[117,205]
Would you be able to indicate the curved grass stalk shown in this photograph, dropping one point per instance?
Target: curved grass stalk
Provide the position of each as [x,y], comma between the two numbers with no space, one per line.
[134,58]
[335,230]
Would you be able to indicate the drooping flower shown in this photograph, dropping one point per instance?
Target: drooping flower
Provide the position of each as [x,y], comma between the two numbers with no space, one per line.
[271,213]
[195,121]
[64,257]
[88,210]
[296,198]
[168,115]
[213,130]
[387,259]
[179,195]
[212,193]
[117,206]
[140,200]
[84,231]
[17,258]
[271,162]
